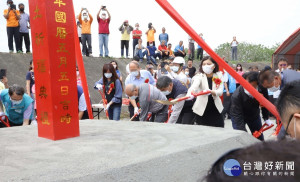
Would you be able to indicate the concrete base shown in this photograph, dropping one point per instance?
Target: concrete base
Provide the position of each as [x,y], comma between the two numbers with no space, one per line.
[116,151]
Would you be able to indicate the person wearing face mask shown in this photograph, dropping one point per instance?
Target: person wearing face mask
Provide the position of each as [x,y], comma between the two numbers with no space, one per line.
[24,28]
[208,107]
[173,89]
[177,70]
[136,36]
[288,106]
[12,17]
[137,77]
[239,70]
[147,94]
[152,55]
[18,106]
[103,23]
[125,30]
[112,87]
[86,36]
[275,81]
[115,65]
[245,109]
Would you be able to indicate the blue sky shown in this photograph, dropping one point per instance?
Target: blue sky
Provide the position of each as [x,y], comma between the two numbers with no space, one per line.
[262,22]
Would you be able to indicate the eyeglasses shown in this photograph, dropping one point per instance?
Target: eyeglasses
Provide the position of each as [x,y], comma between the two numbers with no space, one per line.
[282,65]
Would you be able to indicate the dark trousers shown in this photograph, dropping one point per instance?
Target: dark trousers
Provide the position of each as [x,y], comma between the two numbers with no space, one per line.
[199,53]
[26,38]
[186,118]
[134,43]
[124,43]
[86,44]
[226,104]
[254,125]
[148,44]
[192,51]
[13,33]
[179,54]
[161,116]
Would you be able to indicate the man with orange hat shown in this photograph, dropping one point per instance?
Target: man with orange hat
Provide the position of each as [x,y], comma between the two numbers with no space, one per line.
[125,30]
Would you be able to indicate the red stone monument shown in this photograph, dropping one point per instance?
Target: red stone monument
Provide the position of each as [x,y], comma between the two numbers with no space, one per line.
[53,40]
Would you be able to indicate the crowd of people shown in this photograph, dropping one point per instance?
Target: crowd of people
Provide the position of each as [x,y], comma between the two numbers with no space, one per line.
[211,94]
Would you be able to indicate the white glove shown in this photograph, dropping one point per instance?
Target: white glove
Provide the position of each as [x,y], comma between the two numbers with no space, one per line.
[2,114]
[99,86]
[136,110]
[107,107]
[269,122]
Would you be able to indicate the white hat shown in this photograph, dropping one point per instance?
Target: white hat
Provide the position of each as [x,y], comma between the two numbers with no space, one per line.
[179,60]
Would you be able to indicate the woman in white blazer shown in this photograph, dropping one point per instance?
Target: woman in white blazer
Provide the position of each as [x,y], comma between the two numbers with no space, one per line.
[208,108]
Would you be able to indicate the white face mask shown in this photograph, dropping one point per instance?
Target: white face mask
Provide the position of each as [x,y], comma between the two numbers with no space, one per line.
[186,73]
[166,92]
[103,17]
[16,102]
[133,97]
[108,75]
[274,89]
[238,68]
[77,73]
[208,69]
[151,44]
[248,93]
[85,17]
[115,66]
[175,68]
[134,73]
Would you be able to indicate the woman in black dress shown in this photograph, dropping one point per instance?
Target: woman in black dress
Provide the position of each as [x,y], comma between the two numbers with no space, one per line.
[208,107]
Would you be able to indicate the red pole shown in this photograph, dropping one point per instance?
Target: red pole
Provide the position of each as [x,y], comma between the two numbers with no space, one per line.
[181,22]
[82,72]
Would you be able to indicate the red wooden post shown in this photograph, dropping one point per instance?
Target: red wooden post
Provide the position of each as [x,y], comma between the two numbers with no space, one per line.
[52,24]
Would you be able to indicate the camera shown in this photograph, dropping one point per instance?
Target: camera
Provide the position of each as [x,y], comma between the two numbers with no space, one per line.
[13,6]
[150,25]
[103,7]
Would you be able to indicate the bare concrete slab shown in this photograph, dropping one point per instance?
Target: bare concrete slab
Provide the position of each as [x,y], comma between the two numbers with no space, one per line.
[116,151]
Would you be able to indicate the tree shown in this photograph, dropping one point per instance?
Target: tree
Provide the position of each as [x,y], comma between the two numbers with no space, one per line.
[248,52]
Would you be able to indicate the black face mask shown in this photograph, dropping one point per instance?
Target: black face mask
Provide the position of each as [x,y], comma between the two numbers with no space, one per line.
[22,9]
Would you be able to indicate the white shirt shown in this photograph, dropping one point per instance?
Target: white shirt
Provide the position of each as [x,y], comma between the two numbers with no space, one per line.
[191,40]
[234,44]
[181,77]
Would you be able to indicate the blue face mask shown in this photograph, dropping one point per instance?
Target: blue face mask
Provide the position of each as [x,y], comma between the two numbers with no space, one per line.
[108,75]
